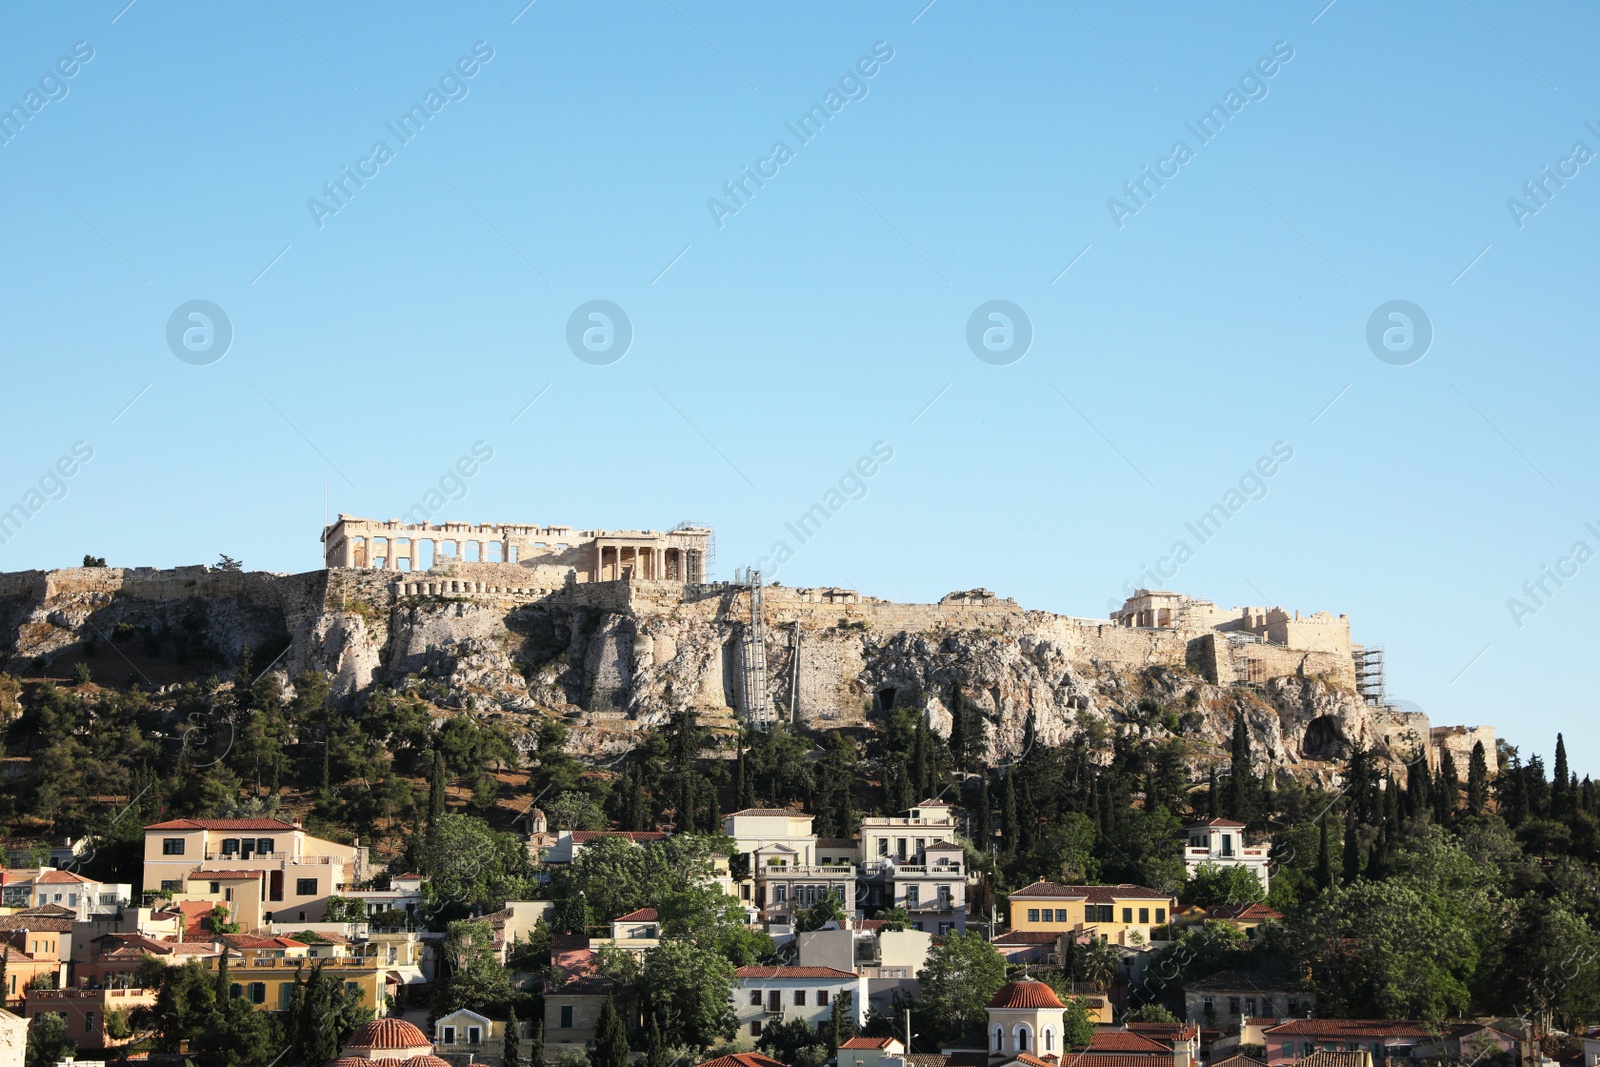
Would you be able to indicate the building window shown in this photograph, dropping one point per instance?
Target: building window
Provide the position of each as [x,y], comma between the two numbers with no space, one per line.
[1061,915]
[305,887]
[258,992]
[1294,1007]
[913,893]
[945,928]
[900,847]
[474,1034]
[235,991]
[566,1017]
[944,896]
[883,846]
[172,846]
[1127,915]
[1161,915]
[822,998]
[755,1028]
[780,893]
[799,998]
[266,846]
[1033,915]
[1233,1005]
[449,1035]
[775,1000]
[999,1036]
[216,887]
[173,884]
[755,998]
[88,1022]
[1266,1007]
[230,846]
[1144,916]
[1250,1006]
[1227,844]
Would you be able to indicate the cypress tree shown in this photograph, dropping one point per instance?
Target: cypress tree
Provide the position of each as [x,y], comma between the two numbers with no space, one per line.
[1008,812]
[985,833]
[1324,859]
[1211,793]
[436,786]
[958,743]
[739,786]
[1514,794]
[1477,780]
[610,1039]
[1559,785]
[1448,793]
[655,1046]
[1240,780]
[222,979]
[512,1056]
[1352,851]
[536,1049]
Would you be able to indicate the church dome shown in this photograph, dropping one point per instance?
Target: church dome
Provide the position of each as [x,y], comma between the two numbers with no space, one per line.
[388,1033]
[1026,993]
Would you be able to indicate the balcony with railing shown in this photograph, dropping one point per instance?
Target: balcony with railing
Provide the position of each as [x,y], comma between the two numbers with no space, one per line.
[1192,853]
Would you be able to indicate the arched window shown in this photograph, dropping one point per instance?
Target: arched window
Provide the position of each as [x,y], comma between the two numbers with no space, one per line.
[999,1035]
[1049,1039]
[1022,1039]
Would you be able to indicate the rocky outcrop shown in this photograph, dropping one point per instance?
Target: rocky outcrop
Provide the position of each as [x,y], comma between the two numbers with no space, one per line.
[611,657]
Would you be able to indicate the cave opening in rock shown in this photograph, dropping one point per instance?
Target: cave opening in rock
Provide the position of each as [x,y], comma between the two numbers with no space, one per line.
[886,697]
[1323,739]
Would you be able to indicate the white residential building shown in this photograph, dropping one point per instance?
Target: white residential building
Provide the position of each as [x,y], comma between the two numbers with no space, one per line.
[1220,843]
[767,995]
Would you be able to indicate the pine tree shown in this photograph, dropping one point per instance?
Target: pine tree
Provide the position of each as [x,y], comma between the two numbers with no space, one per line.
[436,786]
[610,1039]
[1477,780]
[1559,785]
[1324,859]
[512,1056]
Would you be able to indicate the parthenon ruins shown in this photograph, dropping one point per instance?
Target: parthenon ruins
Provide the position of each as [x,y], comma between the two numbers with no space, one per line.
[680,554]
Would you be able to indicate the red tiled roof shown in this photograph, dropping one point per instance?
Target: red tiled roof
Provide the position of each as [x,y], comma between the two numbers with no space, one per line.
[743,1059]
[1238,1061]
[59,878]
[60,924]
[224,824]
[1371,1028]
[767,811]
[1245,912]
[1098,894]
[583,837]
[1122,1059]
[1216,822]
[1034,1061]
[1028,993]
[643,915]
[868,1042]
[793,972]
[1027,937]
[1124,1041]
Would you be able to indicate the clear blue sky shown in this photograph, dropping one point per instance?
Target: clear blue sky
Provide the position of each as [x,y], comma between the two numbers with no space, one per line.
[771,352]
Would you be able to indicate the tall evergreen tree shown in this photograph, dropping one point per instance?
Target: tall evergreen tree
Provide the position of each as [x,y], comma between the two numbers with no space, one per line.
[1009,832]
[1212,811]
[1477,780]
[742,797]
[610,1038]
[536,1045]
[1352,851]
[1447,793]
[1241,779]
[1514,794]
[1560,787]
[223,979]
[436,787]
[1324,859]
[655,1046]
[512,1056]
[985,828]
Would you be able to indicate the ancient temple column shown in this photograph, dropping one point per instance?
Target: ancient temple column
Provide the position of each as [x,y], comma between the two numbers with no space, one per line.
[416,554]
[348,556]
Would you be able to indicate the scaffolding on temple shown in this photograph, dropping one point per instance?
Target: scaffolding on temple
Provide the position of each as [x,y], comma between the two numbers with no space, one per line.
[1369,673]
[757,711]
[708,564]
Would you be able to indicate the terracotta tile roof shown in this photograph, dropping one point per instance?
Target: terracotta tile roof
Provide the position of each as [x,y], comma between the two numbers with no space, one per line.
[1123,1059]
[793,972]
[1246,912]
[743,1059]
[388,1033]
[1378,1029]
[1097,894]
[643,915]
[47,911]
[767,811]
[1215,822]
[1238,1061]
[1124,1041]
[60,878]
[1035,1061]
[868,1042]
[224,824]
[1325,1058]
[583,837]
[59,924]
[1027,993]
[1027,937]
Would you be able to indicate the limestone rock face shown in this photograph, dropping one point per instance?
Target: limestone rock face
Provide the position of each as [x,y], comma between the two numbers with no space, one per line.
[613,657]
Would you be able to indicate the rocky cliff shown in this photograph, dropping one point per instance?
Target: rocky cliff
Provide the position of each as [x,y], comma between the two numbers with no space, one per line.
[612,657]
